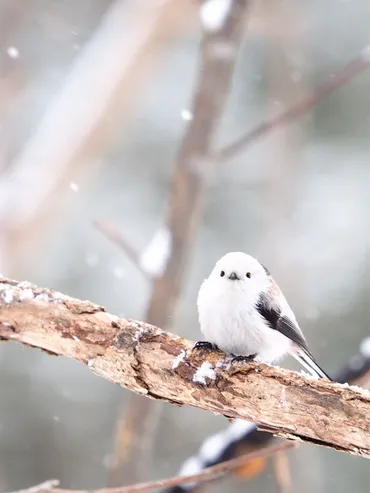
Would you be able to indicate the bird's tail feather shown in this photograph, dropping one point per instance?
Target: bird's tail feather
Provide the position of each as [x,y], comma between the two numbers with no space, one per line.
[307,361]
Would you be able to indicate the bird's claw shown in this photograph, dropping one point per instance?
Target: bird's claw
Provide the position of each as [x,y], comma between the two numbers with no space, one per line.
[243,359]
[208,346]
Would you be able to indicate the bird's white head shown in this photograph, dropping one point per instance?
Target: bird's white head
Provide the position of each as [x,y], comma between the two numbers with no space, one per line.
[238,271]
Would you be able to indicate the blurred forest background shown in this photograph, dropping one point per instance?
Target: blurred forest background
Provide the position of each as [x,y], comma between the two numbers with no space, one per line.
[95,101]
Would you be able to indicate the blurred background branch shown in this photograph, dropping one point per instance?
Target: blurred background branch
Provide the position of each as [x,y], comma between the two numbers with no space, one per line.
[77,123]
[208,474]
[333,82]
[174,242]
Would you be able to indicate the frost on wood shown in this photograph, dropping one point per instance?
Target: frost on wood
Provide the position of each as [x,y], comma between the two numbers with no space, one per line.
[161,365]
[206,370]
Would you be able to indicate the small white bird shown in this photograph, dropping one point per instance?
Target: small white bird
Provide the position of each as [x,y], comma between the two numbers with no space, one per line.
[243,312]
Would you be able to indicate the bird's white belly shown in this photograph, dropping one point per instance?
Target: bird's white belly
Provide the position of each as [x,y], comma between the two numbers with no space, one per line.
[243,332]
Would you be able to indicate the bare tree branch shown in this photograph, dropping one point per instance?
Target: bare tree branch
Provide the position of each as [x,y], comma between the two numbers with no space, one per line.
[206,475]
[162,366]
[329,85]
[102,81]
[239,441]
[116,237]
[219,49]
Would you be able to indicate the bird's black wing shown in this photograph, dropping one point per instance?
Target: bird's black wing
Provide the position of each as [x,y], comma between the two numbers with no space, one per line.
[286,326]
[283,324]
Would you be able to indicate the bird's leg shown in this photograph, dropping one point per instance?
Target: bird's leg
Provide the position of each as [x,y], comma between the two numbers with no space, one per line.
[206,345]
[243,359]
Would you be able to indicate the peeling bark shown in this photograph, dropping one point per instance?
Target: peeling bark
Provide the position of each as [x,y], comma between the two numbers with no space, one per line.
[163,366]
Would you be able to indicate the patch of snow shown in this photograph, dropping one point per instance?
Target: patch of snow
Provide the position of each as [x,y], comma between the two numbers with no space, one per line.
[186,115]
[213,14]
[26,294]
[42,297]
[365,347]
[206,370]
[180,357]
[154,258]
[239,428]
[75,338]
[212,447]
[7,295]
[24,284]
[191,466]
[364,392]
[307,375]
[13,52]
[57,297]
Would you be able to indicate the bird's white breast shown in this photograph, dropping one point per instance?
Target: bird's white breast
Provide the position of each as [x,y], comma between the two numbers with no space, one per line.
[229,319]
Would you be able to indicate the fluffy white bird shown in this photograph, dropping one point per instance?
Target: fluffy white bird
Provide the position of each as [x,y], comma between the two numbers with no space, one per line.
[243,312]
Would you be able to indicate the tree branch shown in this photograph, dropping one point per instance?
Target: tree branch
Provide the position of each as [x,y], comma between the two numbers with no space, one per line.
[329,85]
[163,366]
[116,237]
[207,474]
[217,58]
[235,441]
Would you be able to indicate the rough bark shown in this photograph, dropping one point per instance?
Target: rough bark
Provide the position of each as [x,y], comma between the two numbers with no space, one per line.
[163,366]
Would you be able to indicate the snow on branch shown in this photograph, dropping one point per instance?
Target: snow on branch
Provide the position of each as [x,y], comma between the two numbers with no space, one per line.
[145,360]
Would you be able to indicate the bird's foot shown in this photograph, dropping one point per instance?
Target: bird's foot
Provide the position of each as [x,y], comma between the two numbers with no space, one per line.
[243,359]
[208,346]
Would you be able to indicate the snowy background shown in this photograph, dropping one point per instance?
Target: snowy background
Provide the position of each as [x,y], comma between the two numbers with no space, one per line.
[298,200]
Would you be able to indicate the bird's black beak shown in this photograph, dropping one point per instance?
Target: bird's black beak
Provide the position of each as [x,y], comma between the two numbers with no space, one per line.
[233,277]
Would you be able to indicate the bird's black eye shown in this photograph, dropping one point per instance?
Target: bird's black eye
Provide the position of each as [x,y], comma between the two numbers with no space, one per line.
[222,273]
[249,275]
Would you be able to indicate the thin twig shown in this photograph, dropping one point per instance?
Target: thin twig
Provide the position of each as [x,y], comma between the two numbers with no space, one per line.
[329,85]
[207,474]
[114,235]
[217,59]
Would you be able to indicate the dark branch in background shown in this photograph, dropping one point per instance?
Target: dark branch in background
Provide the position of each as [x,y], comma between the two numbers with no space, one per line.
[329,85]
[355,372]
[206,475]
[216,64]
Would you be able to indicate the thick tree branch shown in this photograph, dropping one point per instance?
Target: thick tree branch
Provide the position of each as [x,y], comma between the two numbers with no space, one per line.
[163,366]
[236,442]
